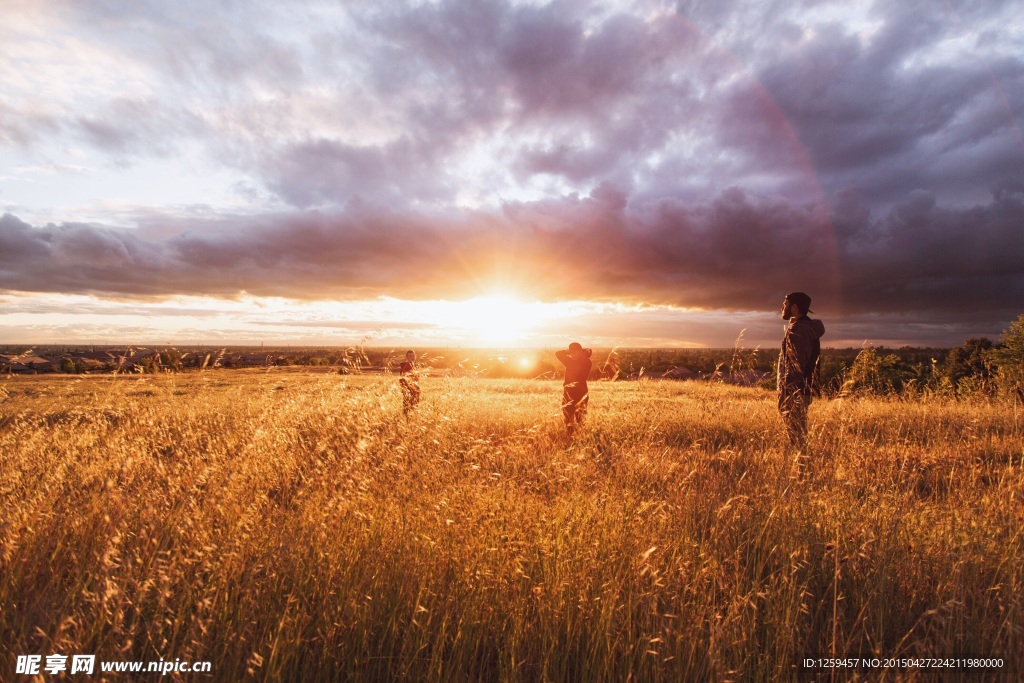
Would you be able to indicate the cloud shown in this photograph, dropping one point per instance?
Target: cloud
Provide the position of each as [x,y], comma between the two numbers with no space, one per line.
[739,251]
[929,258]
[22,128]
[130,127]
[530,91]
[354,325]
[907,108]
[309,173]
[416,103]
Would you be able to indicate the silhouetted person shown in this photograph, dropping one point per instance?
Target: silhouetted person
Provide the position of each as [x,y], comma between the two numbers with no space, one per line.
[575,395]
[799,366]
[410,383]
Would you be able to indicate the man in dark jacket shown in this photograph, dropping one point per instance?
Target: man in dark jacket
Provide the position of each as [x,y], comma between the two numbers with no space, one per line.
[798,365]
[575,395]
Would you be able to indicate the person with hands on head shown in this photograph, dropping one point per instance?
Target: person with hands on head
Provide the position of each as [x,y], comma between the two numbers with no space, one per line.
[575,394]
[798,371]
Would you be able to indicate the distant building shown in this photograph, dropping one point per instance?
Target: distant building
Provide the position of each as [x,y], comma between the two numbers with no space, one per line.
[25,363]
[681,373]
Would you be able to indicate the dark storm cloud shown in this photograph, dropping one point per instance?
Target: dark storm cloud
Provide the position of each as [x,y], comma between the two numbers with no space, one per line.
[552,62]
[882,116]
[913,329]
[937,259]
[594,97]
[554,96]
[558,68]
[738,252]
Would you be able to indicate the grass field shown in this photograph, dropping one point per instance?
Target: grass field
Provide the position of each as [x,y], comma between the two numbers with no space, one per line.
[289,526]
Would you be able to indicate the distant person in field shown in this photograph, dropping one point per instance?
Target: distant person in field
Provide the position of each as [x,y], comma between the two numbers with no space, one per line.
[799,366]
[409,380]
[575,395]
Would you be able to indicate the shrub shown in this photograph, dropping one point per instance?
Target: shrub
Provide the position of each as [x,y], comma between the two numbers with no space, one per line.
[967,367]
[876,374]
[1008,357]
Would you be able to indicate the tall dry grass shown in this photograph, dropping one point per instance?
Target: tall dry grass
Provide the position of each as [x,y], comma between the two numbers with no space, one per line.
[295,527]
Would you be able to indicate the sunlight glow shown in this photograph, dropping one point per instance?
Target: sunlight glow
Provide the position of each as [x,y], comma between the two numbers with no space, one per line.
[494,319]
[501,321]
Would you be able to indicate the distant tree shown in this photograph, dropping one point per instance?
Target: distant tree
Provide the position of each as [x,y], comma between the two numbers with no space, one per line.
[833,370]
[873,373]
[67,365]
[968,368]
[1008,357]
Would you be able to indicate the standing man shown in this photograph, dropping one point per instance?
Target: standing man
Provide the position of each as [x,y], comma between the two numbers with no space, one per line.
[410,382]
[575,395]
[798,366]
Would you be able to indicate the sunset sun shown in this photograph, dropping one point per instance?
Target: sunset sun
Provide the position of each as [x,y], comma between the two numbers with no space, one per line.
[497,319]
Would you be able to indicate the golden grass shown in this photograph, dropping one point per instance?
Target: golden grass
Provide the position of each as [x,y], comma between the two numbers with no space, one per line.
[295,527]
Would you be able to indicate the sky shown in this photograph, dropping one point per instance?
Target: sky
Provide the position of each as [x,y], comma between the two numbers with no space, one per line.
[509,172]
